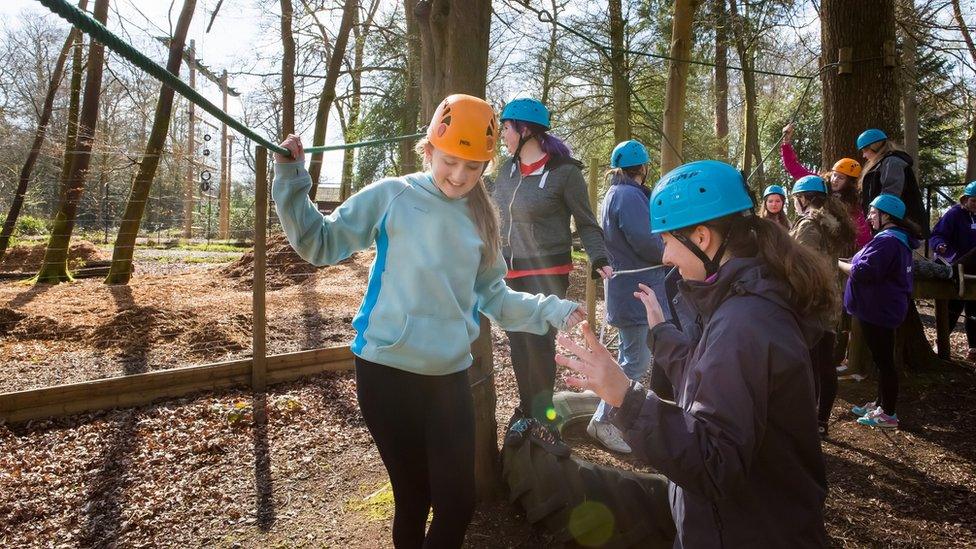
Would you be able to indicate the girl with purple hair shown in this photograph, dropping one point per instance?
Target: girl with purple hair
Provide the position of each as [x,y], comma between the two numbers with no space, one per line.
[536,191]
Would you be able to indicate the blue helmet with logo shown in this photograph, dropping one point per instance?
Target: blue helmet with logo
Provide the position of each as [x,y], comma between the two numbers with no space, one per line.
[526,109]
[889,204]
[629,153]
[870,137]
[810,184]
[697,192]
[774,189]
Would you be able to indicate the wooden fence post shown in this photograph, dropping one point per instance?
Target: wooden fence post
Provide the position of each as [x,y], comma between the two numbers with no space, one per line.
[590,283]
[487,475]
[259,368]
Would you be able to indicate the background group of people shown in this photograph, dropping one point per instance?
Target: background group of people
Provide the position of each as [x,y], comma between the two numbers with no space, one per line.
[744,350]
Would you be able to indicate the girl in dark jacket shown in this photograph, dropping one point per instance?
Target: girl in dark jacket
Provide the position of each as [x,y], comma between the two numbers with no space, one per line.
[739,444]
[825,227]
[878,292]
[537,190]
[889,171]
[953,237]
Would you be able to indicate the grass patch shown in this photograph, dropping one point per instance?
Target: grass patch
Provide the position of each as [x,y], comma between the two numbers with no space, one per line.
[378,505]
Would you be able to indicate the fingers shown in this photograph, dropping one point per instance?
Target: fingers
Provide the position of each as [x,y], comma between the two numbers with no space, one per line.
[573,364]
[573,347]
[577,383]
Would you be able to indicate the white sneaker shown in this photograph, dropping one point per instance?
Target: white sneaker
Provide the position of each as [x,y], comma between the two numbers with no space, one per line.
[608,435]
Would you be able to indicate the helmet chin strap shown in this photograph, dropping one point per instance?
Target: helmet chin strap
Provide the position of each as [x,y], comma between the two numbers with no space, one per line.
[711,263]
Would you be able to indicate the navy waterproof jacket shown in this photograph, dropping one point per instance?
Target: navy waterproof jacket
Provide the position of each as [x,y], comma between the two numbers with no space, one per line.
[630,244]
[739,444]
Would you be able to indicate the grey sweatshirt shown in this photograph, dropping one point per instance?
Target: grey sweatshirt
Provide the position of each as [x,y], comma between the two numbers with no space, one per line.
[535,211]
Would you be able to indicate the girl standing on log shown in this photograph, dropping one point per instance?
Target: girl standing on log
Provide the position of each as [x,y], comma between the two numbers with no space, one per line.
[878,293]
[823,226]
[537,190]
[437,266]
[739,444]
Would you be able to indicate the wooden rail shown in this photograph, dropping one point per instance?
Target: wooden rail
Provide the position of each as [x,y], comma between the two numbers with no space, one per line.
[142,389]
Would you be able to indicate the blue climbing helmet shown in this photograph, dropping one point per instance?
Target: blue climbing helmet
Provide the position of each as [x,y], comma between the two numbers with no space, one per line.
[775,189]
[526,109]
[870,137]
[889,204]
[810,184]
[970,189]
[629,153]
[695,193]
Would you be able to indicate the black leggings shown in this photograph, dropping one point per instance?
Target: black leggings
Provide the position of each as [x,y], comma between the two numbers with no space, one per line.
[956,307]
[824,375]
[534,356]
[881,342]
[424,429]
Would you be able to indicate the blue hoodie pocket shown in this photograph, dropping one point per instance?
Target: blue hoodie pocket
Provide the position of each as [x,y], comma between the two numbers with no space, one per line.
[430,343]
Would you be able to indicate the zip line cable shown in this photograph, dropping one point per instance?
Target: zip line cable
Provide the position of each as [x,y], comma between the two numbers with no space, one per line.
[97,31]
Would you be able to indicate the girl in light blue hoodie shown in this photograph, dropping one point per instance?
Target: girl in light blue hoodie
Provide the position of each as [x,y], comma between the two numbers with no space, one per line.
[437,266]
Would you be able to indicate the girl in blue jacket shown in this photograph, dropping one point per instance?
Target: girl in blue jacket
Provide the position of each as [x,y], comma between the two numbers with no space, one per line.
[635,256]
[437,266]
[879,287]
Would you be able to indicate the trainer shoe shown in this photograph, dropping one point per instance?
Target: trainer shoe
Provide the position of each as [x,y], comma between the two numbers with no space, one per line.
[547,437]
[608,435]
[861,411]
[877,418]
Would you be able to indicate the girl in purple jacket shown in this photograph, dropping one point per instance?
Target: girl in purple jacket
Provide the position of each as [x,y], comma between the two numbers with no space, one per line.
[953,237]
[878,291]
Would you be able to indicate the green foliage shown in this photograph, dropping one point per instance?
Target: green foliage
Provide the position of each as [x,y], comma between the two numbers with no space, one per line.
[28,225]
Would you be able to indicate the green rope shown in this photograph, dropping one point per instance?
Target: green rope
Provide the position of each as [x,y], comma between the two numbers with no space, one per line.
[96,30]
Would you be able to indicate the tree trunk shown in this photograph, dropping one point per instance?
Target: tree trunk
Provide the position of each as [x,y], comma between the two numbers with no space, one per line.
[409,162]
[287,71]
[862,28]
[121,269]
[720,14]
[550,56]
[55,266]
[28,169]
[454,41]
[191,151]
[971,140]
[751,151]
[618,74]
[909,97]
[674,109]
[223,222]
[349,12]
[351,129]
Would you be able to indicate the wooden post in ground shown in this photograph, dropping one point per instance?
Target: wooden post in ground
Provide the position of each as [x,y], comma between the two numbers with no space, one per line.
[260,362]
[224,224]
[481,376]
[188,190]
[590,283]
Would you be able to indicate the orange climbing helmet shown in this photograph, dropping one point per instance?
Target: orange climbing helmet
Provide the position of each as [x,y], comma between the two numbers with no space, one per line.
[464,126]
[848,167]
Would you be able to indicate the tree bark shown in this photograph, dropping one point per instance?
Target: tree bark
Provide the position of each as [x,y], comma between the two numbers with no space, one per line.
[674,110]
[351,129]
[550,55]
[409,162]
[971,140]
[287,71]
[121,269]
[55,267]
[618,74]
[751,151]
[909,97]
[28,168]
[349,12]
[720,14]
[454,41]
[864,27]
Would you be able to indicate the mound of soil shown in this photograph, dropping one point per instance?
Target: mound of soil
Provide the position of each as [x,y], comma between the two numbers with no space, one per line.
[285,266]
[28,258]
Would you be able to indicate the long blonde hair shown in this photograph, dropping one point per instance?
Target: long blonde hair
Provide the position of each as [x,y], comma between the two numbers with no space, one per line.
[887,146]
[484,213]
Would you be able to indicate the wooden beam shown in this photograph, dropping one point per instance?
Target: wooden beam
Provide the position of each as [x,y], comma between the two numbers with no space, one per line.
[259,364]
[590,283]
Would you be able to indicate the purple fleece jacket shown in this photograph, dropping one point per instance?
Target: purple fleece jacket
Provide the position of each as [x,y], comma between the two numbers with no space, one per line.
[739,444]
[957,230]
[880,284]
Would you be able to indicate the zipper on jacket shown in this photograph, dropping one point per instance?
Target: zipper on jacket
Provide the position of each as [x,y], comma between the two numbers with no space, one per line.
[511,222]
[718,524]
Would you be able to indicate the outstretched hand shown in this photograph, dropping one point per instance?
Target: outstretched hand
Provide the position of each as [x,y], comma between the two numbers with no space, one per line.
[294,145]
[595,367]
[655,315]
[578,315]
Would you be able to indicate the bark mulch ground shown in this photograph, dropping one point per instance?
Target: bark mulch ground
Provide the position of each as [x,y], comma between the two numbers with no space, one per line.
[297,468]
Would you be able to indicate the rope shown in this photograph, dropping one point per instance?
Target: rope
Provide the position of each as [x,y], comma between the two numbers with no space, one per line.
[97,31]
